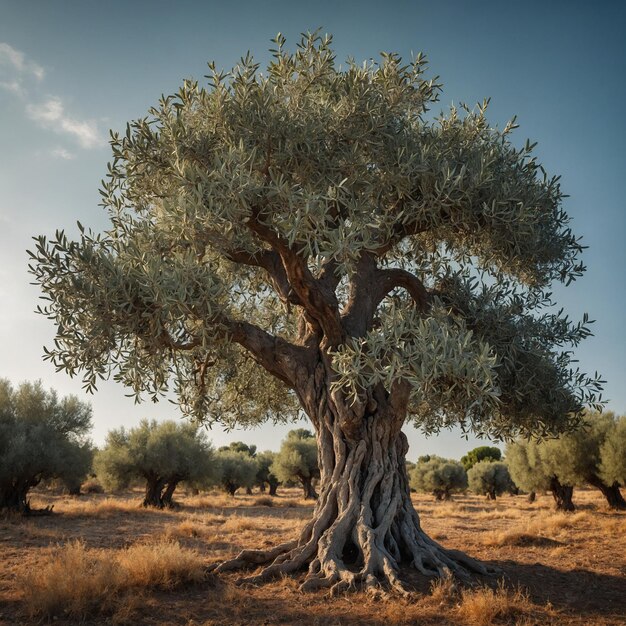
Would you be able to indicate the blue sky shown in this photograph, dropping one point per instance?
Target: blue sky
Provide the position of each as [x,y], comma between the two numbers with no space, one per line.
[71,70]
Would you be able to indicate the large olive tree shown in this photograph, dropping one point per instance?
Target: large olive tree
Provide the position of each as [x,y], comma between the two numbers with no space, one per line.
[42,436]
[308,235]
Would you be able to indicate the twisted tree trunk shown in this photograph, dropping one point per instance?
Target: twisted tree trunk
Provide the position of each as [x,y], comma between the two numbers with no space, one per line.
[612,493]
[562,495]
[364,525]
[166,498]
[154,489]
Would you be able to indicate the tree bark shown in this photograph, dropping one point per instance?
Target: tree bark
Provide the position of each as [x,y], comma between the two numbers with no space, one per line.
[364,525]
[154,488]
[562,495]
[166,498]
[612,493]
[273,486]
[532,496]
[308,491]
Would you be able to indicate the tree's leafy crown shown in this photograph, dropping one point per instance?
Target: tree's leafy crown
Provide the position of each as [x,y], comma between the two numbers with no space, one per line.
[317,210]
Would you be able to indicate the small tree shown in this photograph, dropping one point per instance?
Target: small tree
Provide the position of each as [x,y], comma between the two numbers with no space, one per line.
[490,478]
[482,453]
[441,477]
[237,469]
[613,455]
[265,476]
[162,453]
[297,461]
[41,437]
[531,473]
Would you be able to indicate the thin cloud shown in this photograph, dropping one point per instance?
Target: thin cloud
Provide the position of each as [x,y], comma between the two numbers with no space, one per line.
[51,114]
[13,86]
[62,153]
[18,61]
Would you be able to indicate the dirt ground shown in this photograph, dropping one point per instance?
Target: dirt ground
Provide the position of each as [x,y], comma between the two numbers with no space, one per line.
[555,568]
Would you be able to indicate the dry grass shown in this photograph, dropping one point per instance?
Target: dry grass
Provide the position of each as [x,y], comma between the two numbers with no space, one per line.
[74,581]
[485,606]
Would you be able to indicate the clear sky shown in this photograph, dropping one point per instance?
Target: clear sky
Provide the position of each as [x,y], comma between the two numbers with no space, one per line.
[73,69]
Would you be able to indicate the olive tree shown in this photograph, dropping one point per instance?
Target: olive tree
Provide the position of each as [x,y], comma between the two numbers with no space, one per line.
[438,476]
[489,478]
[613,455]
[265,477]
[482,453]
[306,236]
[296,461]
[42,436]
[237,469]
[162,453]
[531,471]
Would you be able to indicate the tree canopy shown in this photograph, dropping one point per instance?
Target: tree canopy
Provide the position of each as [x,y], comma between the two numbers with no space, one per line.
[307,238]
[42,436]
[481,453]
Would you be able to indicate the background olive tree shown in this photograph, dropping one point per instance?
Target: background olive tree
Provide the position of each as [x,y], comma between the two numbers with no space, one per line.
[490,478]
[296,461]
[265,477]
[161,453]
[42,436]
[441,477]
[532,472]
[306,237]
[575,458]
[613,455]
[237,469]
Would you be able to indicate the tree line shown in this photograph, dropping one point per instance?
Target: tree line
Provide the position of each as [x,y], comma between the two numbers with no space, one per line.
[44,437]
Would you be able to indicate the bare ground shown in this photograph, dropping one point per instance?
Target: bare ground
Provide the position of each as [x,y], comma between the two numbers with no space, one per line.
[556,568]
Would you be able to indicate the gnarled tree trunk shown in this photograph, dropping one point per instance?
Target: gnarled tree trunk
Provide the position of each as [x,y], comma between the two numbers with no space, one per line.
[308,491]
[364,525]
[166,498]
[562,495]
[154,489]
[273,486]
[612,493]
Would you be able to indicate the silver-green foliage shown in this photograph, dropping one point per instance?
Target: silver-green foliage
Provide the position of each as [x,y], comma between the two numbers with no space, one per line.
[237,469]
[439,476]
[489,478]
[297,458]
[526,465]
[161,451]
[613,454]
[42,436]
[248,216]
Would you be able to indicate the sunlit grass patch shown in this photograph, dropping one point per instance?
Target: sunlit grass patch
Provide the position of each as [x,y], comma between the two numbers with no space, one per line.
[75,581]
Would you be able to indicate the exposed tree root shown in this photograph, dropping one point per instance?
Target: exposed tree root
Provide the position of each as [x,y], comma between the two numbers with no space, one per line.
[363,529]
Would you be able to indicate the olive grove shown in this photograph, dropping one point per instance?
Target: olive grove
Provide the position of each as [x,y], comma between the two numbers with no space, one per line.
[296,461]
[307,239]
[441,477]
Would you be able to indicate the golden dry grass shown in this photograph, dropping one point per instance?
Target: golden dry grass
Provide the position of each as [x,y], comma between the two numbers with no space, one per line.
[485,606]
[73,580]
[573,565]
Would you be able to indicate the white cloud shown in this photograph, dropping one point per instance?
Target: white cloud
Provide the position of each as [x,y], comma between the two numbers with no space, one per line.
[51,114]
[62,153]
[18,61]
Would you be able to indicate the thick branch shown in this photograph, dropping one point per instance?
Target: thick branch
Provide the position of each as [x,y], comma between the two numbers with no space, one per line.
[370,286]
[278,356]
[315,296]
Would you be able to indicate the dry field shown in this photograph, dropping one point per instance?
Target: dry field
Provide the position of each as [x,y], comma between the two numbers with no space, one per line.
[104,560]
